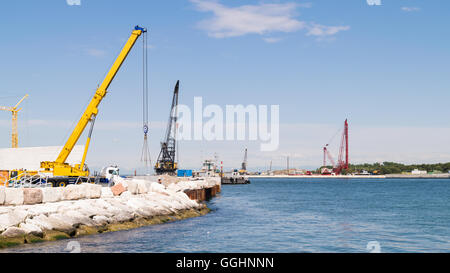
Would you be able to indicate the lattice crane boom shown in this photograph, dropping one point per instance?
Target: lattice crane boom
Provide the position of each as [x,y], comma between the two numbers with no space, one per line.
[166,162]
[327,154]
[14,111]
[343,161]
[244,163]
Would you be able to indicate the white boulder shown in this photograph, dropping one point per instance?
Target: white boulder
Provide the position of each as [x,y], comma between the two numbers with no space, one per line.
[158,188]
[100,220]
[12,218]
[117,206]
[45,209]
[76,218]
[137,186]
[2,196]
[74,192]
[60,223]
[141,207]
[13,232]
[31,229]
[13,197]
[40,221]
[120,180]
[51,195]
[122,216]
[92,191]
[126,195]
[101,203]
[132,187]
[142,186]
[91,208]
[106,192]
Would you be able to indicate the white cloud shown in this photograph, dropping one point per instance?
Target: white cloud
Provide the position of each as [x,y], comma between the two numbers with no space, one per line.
[410,9]
[257,19]
[321,30]
[248,19]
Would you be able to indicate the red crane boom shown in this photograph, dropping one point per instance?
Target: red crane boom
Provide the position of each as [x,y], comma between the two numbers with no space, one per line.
[343,151]
[327,154]
[343,162]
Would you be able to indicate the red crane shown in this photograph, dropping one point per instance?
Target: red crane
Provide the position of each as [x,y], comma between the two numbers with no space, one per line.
[342,163]
[343,159]
[327,154]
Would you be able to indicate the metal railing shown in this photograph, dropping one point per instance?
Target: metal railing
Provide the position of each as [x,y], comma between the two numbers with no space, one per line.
[28,181]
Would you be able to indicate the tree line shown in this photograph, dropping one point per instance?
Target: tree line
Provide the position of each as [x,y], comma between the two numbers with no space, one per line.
[396,168]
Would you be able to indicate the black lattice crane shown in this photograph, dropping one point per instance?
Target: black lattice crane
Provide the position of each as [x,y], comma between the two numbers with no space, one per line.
[166,160]
[243,169]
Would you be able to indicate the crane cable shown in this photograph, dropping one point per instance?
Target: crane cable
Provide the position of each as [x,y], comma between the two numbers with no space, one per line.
[145,155]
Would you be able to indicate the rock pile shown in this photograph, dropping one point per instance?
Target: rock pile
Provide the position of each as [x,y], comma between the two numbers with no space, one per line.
[49,213]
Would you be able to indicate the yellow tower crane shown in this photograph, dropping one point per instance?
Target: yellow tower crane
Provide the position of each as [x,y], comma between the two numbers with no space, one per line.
[15,111]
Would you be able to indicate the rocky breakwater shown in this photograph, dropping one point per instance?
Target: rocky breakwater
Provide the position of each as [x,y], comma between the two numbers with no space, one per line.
[45,214]
[199,188]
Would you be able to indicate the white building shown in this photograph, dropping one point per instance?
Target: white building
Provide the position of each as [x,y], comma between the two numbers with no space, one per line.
[30,158]
[418,172]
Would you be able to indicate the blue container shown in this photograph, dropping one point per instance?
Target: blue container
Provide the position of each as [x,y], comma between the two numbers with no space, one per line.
[184,173]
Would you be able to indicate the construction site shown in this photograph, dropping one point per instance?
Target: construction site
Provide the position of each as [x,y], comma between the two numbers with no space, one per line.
[62,166]
[224,132]
[41,186]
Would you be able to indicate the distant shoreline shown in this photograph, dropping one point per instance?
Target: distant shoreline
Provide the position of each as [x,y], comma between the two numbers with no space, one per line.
[404,176]
[317,176]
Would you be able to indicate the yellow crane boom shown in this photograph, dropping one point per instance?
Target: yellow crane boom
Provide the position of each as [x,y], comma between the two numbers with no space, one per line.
[15,112]
[59,167]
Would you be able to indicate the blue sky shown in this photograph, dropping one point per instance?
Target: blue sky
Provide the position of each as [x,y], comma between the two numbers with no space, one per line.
[385,68]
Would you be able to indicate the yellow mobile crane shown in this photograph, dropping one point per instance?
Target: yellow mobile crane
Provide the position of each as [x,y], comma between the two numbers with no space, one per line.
[61,173]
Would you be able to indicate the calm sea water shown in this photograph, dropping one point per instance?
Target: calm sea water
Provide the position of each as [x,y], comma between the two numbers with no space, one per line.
[297,215]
